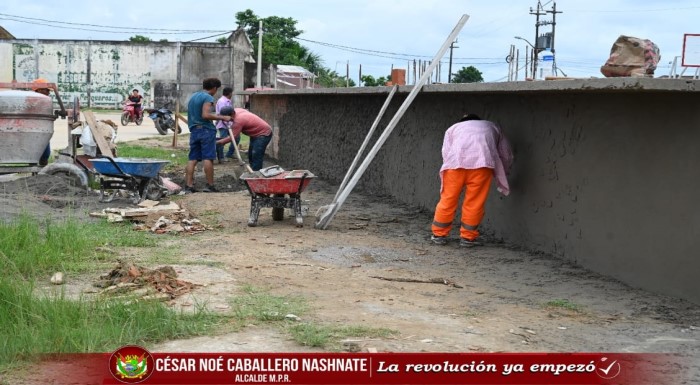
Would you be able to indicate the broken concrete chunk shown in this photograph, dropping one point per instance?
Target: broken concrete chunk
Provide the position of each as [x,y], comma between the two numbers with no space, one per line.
[57,278]
[112,218]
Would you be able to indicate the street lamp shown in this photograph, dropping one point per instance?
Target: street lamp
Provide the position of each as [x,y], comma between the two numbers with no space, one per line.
[525,40]
[534,56]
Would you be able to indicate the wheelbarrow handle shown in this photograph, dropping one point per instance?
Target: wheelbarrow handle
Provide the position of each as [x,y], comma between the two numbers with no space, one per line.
[116,166]
[301,183]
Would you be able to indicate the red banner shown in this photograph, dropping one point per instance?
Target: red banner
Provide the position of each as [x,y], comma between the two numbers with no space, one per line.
[133,364]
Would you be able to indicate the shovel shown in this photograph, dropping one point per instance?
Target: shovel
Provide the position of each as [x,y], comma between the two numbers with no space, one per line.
[238,153]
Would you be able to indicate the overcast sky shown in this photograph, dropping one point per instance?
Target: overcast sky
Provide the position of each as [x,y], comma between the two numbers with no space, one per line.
[396,30]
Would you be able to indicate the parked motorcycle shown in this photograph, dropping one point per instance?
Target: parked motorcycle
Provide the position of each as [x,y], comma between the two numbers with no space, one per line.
[163,119]
[129,114]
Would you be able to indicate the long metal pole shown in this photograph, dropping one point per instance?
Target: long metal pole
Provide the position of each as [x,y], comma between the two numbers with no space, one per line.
[260,37]
[367,138]
[330,213]
[449,68]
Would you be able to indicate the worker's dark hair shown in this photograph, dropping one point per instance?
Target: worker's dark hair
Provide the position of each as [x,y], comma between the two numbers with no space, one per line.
[227,91]
[135,89]
[469,117]
[227,111]
[210,83]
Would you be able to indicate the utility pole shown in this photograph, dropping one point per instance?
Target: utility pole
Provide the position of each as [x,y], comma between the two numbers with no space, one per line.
[260,37]
[538,47]
[554,25]
[537,14]
[449,68]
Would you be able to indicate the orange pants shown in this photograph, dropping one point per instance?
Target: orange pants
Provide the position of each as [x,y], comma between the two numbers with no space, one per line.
[477,183]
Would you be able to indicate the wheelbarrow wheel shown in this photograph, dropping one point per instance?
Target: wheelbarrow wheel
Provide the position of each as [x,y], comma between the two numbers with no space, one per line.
[277,213]
[154,191]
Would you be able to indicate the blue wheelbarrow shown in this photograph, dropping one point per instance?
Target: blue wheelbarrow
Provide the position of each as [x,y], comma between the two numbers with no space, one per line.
[138,176]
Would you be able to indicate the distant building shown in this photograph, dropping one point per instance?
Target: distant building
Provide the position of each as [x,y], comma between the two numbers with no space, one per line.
[293,77]
[4,34]
[101,73]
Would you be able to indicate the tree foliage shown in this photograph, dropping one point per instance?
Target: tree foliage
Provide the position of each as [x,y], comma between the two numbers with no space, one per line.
[468,75]
[279,46]
[140,39]
[331,79]
[222,40]
[370,81]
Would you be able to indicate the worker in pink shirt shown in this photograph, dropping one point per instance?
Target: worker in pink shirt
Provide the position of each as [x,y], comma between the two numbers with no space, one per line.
[474,151]
[259,132]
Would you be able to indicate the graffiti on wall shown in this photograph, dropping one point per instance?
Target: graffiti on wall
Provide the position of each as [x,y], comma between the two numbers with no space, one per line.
[103,73]
[82,70]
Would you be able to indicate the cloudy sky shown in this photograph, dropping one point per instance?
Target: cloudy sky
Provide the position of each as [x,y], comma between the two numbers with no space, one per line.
[379,33]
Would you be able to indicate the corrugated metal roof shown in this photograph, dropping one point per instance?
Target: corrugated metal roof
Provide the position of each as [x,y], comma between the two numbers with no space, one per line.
[294,70]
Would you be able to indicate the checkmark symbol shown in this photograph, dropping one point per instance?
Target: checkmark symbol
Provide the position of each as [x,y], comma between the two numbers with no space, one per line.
[607,370]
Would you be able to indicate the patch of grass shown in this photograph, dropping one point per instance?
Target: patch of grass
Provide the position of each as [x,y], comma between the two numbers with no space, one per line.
[164,255]
[30,247]
[563,304]
[258,305]
[33,325]
[134,151]
[244,143]
[323,336]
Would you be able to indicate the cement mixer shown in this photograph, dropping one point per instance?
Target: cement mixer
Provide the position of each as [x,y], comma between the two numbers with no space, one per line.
[26,127]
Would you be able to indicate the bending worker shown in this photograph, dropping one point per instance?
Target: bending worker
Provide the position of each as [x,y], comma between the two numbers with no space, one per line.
[260,133]
[473,152]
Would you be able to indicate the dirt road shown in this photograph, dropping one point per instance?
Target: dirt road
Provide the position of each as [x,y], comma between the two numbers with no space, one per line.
[124,133]
[495,298]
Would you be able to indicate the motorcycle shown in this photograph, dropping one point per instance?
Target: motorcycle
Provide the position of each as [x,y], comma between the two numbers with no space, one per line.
[129,115]
[163,119]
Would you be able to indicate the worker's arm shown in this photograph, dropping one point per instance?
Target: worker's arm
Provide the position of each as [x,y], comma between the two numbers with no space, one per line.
[208,115]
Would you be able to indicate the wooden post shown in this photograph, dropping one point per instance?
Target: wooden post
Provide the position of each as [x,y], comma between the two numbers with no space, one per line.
[177,124]
[99,139]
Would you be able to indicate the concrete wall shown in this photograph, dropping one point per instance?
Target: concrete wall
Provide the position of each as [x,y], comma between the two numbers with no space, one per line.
[102,73]
[606,171]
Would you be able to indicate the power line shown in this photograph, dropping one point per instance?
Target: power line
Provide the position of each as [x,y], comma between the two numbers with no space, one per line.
[209,37]
[632,10]
[37,21]
[396,54]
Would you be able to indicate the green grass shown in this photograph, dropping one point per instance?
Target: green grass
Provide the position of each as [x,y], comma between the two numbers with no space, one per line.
[257,305]
[329,337]
[31,247]
[135,151]
[33,325]
[563,304]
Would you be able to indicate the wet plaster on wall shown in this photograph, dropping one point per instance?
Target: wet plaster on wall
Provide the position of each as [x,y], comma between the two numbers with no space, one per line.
[608,180]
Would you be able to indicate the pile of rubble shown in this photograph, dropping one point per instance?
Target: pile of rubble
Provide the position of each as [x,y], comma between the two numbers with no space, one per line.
[154,217]
[160,284]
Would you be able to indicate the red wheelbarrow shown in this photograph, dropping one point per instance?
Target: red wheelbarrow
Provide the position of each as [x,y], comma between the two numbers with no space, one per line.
[276,188]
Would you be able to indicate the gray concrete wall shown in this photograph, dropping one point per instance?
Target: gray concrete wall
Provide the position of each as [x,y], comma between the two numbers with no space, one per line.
[606,171]
[102,73]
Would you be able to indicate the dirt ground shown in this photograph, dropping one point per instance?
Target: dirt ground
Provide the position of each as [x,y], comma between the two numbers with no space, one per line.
[486,299]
